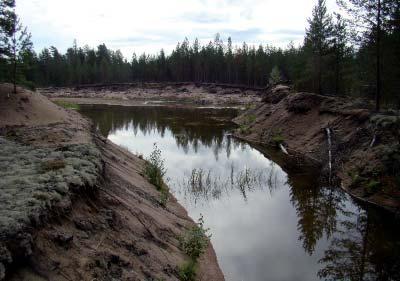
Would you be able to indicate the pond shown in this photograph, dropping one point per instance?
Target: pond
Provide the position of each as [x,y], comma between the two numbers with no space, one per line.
[266,223]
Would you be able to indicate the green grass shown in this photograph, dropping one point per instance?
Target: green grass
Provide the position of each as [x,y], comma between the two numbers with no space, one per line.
[187,272]
[67,104]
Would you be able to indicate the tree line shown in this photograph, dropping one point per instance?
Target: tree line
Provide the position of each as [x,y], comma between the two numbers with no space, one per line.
[357,53]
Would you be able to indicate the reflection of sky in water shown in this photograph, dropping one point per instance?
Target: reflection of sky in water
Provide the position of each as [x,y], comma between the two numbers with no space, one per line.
[272,229]
[251,237]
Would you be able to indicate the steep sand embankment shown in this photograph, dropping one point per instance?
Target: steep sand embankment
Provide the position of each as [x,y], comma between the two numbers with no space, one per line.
[74,206]
[365,150]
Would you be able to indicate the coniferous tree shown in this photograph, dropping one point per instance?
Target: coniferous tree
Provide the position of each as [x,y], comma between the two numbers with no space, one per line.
[340,51]
[18,44]
[7,18]
[318,40]
[370,17]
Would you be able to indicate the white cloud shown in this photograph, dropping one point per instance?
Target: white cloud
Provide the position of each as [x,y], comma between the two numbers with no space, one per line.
[147,26]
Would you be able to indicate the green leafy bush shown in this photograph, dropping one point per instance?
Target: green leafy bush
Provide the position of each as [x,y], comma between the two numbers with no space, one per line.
[154,168]
[195,241]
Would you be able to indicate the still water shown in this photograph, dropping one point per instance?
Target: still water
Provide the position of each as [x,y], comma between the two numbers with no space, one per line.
[266,224]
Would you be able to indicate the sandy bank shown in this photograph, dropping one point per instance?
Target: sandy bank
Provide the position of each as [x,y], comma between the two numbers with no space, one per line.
[365,150]
[84,209]
[150,92]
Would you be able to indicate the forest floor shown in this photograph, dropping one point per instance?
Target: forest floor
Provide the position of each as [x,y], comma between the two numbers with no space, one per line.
[364,146]
[157,93]
[75,206]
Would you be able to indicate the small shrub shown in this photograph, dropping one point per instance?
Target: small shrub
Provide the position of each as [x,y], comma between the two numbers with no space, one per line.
[244,130]
[195,241]
[277,139]
[373,186]
[154,168]
[251,118]
[187,272]
[164,196]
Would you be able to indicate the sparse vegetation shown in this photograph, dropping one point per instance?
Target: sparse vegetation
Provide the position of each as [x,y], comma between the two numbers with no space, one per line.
[244,129]
[187,272]
[67,104]
[251,118]
[164,196]
[194,243]
[373,186]
[155,169]
[277,138]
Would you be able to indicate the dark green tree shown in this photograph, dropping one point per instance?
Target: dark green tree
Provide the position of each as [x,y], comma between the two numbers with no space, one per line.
[17,46]
[370,18]
[318,41]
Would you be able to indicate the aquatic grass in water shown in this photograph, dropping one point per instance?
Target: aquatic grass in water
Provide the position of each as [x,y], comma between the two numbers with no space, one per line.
[206,185]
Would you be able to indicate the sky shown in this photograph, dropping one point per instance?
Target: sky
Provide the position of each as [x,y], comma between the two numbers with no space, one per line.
[149,25]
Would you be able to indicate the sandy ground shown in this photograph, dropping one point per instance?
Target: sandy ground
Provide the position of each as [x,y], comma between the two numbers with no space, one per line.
[190,93]
[299,121]
[119,231]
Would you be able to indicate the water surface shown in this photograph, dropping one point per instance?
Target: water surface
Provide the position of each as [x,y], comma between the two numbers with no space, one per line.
[266,224]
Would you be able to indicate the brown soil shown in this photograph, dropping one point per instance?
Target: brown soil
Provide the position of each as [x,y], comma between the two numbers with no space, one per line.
[119,231]
[144,93]
[299,121]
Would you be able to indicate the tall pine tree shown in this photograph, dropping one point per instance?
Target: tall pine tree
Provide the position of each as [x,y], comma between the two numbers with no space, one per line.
[318,40]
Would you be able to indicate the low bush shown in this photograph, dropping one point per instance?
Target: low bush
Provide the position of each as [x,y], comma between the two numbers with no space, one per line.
[187,272]
[277,137]
[154,168]
[244,129]
[195,241]
[373,186]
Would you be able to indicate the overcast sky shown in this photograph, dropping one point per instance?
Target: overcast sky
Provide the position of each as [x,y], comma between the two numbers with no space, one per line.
[149,25]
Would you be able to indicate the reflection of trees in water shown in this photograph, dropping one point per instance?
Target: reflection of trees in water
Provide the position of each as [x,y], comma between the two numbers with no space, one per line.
[204,185]
[365,247]
[190,127]
[316,208]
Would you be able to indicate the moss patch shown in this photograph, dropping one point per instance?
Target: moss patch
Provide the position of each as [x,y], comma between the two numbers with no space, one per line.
[33,179]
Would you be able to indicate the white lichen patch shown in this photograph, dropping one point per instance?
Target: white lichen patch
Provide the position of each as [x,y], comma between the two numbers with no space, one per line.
[33,179]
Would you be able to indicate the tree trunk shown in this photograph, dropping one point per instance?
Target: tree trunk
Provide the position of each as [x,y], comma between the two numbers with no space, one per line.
[14,63]
[378,59]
